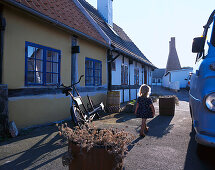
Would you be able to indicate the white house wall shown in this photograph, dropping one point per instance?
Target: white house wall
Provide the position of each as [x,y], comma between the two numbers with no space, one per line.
[116,75]
[180,76]
[150,76]
[133,94]
[131,74]
[126,95]
[139,66]
[165,80]
[176,75]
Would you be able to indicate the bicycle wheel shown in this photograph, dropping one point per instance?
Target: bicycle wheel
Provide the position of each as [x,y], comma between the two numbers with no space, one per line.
[76,116]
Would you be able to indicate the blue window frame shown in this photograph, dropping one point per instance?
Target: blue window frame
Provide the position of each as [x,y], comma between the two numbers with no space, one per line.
[42,65]
[93,72]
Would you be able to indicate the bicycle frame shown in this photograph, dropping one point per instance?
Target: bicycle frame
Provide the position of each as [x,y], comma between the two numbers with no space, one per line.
[78,115]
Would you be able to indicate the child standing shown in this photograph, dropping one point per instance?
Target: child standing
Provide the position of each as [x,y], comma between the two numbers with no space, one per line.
[144,108]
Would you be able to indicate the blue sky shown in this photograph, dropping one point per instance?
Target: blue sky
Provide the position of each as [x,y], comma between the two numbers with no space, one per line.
[151,23]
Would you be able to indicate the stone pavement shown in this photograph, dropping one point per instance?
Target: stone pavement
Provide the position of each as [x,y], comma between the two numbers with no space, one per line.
[169,145]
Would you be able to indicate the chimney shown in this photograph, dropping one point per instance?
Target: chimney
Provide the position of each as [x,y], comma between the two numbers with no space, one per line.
[106,10]
[173,62]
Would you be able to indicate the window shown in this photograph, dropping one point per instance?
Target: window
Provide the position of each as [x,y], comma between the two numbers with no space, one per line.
[93,72]
[124,74]
[42,65]
[153,80]
[136,76]
[159,80]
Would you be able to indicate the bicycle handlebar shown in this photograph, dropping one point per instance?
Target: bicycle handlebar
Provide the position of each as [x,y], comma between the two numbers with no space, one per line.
[68,88]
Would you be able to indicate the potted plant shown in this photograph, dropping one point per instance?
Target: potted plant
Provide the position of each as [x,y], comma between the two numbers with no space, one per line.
[94,148]
[167,105]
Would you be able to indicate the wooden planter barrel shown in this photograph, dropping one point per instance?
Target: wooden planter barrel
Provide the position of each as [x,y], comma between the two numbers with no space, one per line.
[113,101]
[97,158]
[167,106]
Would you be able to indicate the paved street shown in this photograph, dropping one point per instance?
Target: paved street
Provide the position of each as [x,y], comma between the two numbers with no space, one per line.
[169,145]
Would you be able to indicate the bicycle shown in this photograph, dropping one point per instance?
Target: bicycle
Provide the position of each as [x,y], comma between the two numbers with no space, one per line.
[79,113]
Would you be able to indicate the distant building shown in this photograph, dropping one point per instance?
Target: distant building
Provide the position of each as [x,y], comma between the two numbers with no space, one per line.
[174,77]
[173,62]
[157,76]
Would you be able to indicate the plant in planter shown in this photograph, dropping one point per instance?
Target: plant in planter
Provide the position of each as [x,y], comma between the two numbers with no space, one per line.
[167,105]
[93,148]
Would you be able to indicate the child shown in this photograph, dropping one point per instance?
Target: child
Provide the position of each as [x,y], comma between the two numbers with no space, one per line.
[144,108]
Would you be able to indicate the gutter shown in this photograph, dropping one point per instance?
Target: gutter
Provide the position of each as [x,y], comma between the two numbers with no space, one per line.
[2,29]
[53,21]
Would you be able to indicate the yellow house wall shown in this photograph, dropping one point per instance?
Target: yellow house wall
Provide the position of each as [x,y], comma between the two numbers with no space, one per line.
[33,110]
[91,50]
[30,111]
[20,28]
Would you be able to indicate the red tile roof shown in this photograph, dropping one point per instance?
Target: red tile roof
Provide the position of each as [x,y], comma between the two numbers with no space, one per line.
[65,12]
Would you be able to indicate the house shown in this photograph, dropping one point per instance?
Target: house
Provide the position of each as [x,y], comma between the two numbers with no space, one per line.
[46,43]
[175,76]
[176,79]
[43,44]
[157,76]
[128,67]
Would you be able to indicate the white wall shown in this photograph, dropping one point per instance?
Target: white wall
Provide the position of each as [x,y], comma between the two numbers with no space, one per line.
[165,80]
[176,75]
[133,94]
[180,76]
[116,75]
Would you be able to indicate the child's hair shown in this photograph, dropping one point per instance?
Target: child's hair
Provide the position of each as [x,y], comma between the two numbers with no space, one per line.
[144,90]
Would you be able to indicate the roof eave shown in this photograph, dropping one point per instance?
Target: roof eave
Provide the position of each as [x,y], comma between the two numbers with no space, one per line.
[54,22]
[133,57]
[93,22]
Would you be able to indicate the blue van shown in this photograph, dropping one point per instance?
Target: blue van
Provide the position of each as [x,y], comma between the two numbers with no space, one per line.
[202,85]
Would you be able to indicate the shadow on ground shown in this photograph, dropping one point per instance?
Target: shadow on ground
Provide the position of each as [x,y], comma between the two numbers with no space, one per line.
[37,152]
[123,117]
[160,126]
[199,157]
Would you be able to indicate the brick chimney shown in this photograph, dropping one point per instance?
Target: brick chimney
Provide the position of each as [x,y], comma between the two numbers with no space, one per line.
[173,62]
[105,8]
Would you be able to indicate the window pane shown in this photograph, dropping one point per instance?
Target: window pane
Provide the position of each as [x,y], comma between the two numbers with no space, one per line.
[38,53]
[89,80]
[97,81]
[97,73]
[30,77]
[55,78]
[55,67]
[49,56]
[39,65]
[48,78]
[89,64]
[30,52]
[39,77]
[31,64]
[49,67]
[55,56]
[97,65]
[89,72]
